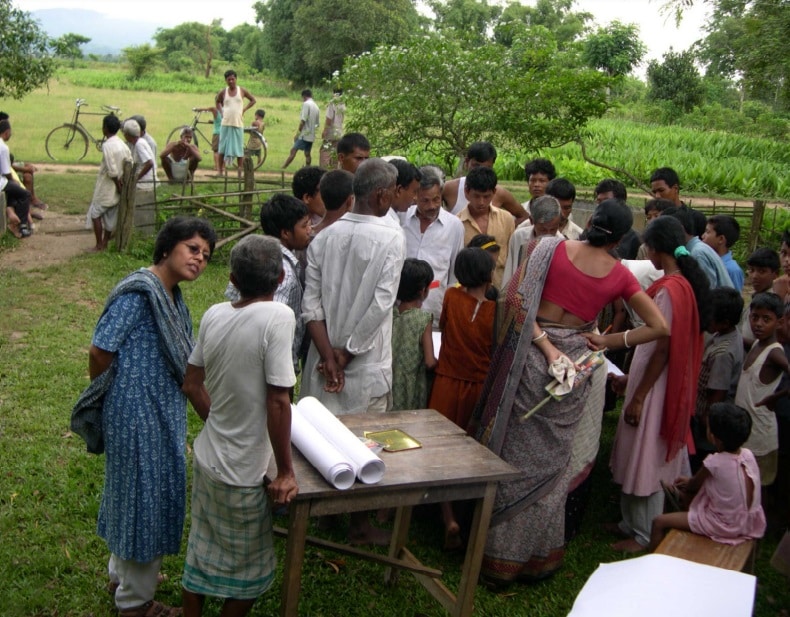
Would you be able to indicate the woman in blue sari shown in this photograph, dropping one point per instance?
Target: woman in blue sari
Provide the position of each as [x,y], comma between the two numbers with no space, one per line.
[137,362]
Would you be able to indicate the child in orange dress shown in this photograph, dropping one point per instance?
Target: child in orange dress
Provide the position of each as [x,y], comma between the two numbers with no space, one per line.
[467,325]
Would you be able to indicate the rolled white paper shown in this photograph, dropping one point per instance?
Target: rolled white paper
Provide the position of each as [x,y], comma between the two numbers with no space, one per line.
[368,467]
[331,464]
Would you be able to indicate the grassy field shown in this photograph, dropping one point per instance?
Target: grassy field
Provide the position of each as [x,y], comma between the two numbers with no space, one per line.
[51,561]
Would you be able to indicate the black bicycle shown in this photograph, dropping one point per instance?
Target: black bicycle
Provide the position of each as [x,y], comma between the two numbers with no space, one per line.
[68,143]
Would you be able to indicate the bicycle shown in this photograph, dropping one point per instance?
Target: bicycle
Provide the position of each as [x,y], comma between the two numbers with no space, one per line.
[258,155]
[69,142]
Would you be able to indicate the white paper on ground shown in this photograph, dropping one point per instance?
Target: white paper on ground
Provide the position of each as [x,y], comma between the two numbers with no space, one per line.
[331,464]
[368,467]
[659,585]
[613,369]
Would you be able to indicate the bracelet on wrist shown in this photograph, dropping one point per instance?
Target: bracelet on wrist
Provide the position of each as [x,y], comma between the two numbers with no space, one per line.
[540,337]
[625,339]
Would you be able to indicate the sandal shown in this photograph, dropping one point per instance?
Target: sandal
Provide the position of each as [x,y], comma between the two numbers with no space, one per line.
[152,608]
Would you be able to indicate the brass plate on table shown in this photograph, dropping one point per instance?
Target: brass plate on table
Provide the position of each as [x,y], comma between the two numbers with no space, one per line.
[394,440]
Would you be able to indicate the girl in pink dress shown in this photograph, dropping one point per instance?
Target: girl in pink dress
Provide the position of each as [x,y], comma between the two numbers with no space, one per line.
[726,490]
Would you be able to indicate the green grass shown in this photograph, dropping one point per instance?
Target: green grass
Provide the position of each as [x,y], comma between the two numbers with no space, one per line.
[52,562]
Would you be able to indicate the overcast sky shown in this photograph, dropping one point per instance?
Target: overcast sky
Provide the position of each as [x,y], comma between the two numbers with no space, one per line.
[657,31]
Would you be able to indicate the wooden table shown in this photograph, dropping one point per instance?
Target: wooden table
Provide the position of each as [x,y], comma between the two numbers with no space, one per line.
[450,466]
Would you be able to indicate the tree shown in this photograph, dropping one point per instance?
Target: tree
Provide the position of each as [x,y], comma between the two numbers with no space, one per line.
[439,94]
[190,41]
[68,46]
[24,48]
[308,40]
[471,18]
[142,59]
[615,49]
[675,80]
[555,15]
[748,40]
[244,44]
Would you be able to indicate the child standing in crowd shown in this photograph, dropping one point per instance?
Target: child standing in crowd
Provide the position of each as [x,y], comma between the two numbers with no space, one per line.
[412,342]
[726,496]
[467,325]
[762,269]
[721,232]
[782,284]
[722,360]
[762,370]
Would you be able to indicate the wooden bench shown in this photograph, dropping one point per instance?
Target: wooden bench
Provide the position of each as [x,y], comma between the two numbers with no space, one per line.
[699,549]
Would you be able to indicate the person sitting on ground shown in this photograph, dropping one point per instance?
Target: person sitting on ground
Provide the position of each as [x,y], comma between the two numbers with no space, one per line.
[337,193]
[240,364]
[304,187]
[480,153]
[25,173]
[721,232]
[20,223]
[353,149]
[180,157]
[725,493]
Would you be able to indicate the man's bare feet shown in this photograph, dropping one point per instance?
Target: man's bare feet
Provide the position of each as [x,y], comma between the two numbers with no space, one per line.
[452,537]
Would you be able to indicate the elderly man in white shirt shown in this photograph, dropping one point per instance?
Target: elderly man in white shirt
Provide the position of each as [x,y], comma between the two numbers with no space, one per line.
[353,271]
[435,235]
[545,213]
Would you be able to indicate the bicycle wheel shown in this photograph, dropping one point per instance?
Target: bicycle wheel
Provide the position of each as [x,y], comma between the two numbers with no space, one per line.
[257,155]
[67,144]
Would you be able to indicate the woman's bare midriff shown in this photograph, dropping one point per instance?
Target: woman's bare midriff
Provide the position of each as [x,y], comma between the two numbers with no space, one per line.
[548,311]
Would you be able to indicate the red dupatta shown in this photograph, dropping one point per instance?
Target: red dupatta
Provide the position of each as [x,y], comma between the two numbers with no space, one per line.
[683,365]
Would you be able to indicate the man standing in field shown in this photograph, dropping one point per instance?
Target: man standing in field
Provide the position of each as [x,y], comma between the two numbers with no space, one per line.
[309,119]
[103,211]
[230,103]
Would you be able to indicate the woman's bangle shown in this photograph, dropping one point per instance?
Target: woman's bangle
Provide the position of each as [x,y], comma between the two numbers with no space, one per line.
[625,339]
[540,337]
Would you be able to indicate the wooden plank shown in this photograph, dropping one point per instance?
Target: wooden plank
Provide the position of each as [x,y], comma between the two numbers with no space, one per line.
[391,562]
[400,534]
[699,549]
[474,553]
[434,587]
[294,558]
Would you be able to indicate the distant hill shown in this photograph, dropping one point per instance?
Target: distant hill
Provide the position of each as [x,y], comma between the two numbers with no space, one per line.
[108,36]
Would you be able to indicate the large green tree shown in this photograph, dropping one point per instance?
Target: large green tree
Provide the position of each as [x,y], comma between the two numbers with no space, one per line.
[748,40]
[615,49]
[470,18]
[24,48]
[190,44]
[310,39]
[676,80]
[439,94]
[558,16]
[68,46]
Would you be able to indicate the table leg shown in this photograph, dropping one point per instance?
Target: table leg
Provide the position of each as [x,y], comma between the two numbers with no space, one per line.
[474,553]
[400,534]
[294,556]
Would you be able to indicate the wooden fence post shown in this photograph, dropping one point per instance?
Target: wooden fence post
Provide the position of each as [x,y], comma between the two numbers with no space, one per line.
[245,200]
[757,222]
[123,230]
[3,223]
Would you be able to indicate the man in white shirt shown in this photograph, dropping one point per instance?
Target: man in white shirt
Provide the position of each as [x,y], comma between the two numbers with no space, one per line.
[17,197]
[309,119]
[565,193]
[103,211]
[142,155]
[435,235]
[353,271]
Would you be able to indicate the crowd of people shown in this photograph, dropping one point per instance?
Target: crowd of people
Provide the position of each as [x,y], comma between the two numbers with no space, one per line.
[356,278]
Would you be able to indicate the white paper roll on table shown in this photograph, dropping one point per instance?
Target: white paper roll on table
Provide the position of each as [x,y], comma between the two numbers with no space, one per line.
[330,463]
